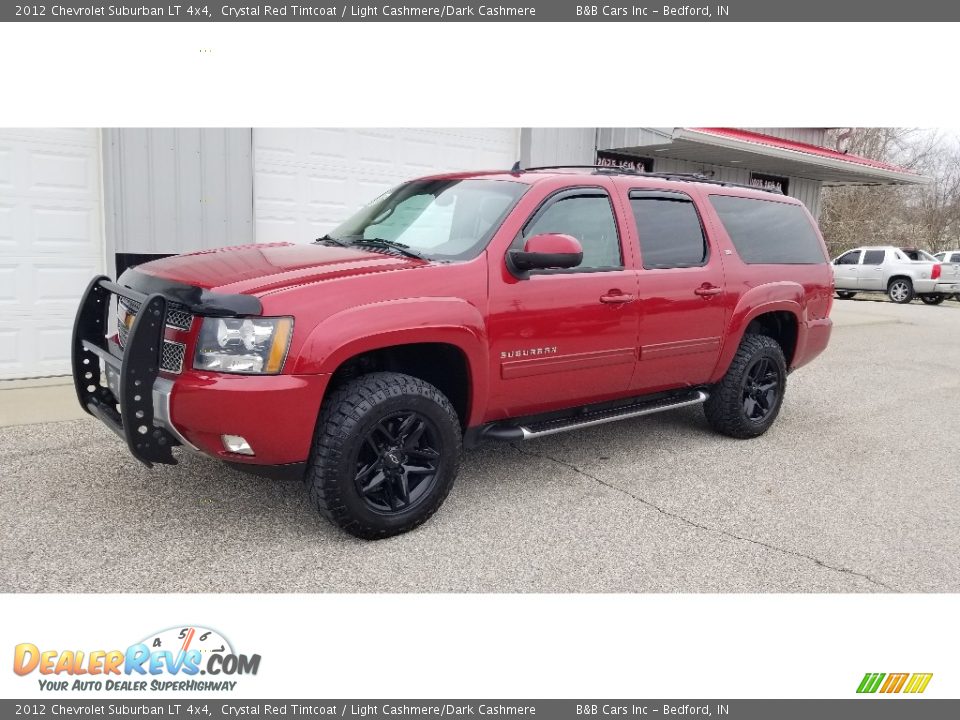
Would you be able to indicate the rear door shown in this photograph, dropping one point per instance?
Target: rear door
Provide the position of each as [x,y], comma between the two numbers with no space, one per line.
[681,297]
[846,270]
[871,270]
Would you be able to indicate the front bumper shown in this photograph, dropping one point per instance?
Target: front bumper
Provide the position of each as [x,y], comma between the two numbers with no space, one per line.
[152,413]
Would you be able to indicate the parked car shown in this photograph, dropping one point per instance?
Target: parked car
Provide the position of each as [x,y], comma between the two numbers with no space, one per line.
[901,273]
[457,309]
[950,256]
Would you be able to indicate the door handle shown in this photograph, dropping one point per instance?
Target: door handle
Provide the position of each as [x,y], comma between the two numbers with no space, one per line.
[706,290]
[614,297]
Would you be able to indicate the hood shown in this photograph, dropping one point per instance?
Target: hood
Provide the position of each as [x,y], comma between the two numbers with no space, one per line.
[254,269]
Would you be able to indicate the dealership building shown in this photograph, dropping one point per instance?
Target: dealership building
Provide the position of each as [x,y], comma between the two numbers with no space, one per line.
[76,203]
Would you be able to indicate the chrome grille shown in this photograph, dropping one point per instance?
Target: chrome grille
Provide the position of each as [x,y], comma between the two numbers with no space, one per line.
[178,317]
[172,353]
[171,357]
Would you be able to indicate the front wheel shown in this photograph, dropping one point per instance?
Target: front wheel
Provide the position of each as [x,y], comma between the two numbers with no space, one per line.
[747,401]
[900,291]
[845,294]
[933,299]
[386,453]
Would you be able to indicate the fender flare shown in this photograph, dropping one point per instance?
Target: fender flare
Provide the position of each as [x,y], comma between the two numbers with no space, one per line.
[786,296]
[447,320]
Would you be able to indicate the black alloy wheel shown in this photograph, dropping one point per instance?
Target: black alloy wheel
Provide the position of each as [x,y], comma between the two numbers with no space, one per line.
[386,453]
[747,401]
[761,389]
[398,462]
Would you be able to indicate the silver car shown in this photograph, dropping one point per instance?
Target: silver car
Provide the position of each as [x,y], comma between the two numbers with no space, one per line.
[901,273]
[950,256]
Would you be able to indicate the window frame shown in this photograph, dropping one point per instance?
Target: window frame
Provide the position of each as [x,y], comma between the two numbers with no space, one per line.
[681,197]
[559,196]
[859,253]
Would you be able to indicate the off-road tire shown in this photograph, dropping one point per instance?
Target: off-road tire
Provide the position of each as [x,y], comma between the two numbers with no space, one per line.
[895,295]
[933,299]
[845,294]
[346,417]
[725,407]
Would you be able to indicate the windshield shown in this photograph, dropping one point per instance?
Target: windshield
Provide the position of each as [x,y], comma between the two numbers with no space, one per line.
[440,219]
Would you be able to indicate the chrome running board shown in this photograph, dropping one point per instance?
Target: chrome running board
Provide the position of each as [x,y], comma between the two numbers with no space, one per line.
[531,431]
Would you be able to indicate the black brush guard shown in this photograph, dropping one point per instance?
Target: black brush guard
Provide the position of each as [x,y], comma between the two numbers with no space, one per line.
[137,369]
[130,411]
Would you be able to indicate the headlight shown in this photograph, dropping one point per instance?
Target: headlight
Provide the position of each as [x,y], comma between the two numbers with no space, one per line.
[243,345]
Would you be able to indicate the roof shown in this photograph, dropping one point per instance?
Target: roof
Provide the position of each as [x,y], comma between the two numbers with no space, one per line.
[766,153]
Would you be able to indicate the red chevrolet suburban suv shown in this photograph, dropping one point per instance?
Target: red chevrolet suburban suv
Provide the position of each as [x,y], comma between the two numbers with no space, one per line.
[455,309]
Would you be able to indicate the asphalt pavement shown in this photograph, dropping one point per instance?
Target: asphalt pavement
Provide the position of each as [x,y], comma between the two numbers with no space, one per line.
[855,489]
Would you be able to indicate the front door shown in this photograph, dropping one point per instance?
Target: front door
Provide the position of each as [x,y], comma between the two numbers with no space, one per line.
[846,270]
[682,302]
[561,338]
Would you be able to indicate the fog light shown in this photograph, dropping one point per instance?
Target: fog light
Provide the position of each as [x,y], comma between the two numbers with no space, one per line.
[237,444]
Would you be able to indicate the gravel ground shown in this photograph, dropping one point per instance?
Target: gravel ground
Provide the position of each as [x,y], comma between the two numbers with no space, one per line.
[855,489]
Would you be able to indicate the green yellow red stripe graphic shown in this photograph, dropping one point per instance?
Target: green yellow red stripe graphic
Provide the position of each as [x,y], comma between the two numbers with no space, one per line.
[894,682]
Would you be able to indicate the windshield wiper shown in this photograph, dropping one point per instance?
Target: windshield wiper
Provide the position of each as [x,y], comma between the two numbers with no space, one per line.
[390,245]
[329,240]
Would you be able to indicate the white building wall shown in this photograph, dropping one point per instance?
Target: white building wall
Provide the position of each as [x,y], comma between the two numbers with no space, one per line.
[308,181]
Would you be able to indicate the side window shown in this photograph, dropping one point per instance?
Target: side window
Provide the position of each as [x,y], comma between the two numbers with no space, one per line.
[956,258]
[873,257]
[669,230]
[769,231]
[941,257]
[587,217]
[850,258]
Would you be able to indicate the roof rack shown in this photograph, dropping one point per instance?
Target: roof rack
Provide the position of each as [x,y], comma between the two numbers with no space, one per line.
[680,177]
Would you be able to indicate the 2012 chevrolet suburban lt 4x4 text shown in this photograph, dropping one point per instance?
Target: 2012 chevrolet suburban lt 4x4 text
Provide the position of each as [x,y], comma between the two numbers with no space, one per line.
[455,309]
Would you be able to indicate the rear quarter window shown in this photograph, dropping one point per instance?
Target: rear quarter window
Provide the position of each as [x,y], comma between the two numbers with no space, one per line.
[769,232]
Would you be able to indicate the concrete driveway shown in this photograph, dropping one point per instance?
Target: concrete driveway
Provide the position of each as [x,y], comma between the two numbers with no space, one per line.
[855,489]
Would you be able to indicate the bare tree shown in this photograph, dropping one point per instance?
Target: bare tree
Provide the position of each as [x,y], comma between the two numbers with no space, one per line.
[927,216]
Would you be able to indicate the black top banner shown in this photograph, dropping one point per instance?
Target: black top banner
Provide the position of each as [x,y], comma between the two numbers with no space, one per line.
[507,11]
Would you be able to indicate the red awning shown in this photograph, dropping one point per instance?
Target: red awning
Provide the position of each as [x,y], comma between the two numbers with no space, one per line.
[813,150]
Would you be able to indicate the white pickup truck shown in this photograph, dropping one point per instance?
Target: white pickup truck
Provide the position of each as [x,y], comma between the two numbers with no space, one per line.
[902,273]
[950,256]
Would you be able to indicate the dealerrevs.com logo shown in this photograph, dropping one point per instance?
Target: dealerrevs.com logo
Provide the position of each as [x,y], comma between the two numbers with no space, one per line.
[172,659]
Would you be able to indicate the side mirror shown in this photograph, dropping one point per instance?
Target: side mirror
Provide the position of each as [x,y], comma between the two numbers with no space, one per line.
[547,251]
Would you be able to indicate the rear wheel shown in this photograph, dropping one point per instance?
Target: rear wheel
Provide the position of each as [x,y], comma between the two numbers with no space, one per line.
[845,294]
[933,299]
[386,453]
[900,291]
[747,401]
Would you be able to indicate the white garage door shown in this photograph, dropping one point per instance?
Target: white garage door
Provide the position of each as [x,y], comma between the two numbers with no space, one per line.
[307,181]
[50,244]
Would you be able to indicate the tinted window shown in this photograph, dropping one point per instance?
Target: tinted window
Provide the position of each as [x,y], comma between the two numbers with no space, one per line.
[956,258]
[588,218]
[873,257]
[850,258]
[769,232]
[669,230]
